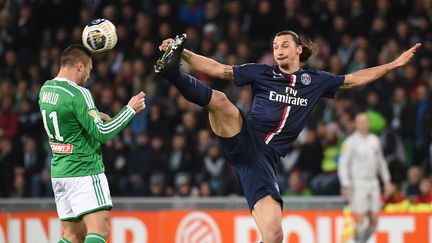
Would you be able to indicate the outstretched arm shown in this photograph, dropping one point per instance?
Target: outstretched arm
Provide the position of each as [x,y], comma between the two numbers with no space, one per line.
[204,64]
[365,76]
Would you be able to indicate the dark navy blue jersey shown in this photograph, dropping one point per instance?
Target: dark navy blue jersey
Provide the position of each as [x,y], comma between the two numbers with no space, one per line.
[282,102]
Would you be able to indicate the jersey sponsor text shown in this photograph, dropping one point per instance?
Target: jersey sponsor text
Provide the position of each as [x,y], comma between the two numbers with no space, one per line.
[61,148]
[286,98]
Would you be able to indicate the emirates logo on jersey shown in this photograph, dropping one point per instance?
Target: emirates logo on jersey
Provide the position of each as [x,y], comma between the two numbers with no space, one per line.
[289,97]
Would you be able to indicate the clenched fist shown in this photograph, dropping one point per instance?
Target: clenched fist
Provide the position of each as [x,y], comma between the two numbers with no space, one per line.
[138,102]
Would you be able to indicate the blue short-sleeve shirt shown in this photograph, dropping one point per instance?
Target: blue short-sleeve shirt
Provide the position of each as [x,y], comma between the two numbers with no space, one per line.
[282,102]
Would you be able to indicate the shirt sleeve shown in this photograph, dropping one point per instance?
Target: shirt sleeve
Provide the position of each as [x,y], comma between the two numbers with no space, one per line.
[344,164]
[88,116]
[330,84]
[247,73]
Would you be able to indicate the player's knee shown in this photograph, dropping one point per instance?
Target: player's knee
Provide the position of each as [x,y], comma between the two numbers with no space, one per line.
[373,221]
[275,234]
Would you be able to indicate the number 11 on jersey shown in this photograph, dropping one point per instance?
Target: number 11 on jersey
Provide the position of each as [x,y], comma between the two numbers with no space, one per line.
[53,117]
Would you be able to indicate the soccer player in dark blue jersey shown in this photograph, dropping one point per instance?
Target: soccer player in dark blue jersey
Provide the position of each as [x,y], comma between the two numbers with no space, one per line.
[284,95]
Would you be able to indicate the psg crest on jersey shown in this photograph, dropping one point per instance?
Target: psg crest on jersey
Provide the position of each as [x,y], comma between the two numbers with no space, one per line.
[305,79]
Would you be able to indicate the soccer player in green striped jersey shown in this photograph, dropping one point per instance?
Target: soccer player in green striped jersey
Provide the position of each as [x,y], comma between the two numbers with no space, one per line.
[76,129]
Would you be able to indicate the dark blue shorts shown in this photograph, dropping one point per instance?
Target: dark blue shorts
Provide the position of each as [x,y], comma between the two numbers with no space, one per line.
[254,164]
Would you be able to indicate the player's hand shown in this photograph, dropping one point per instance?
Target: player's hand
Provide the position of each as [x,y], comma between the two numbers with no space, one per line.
[406,56]
[138,102]
[165,44]
[388,189]
[345,192]
[104,117]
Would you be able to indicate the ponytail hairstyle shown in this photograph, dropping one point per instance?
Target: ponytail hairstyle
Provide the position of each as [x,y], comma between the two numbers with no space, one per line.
[308,46]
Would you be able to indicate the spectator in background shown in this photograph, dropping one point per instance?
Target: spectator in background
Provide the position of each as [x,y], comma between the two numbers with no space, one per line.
[157,157]
[29,120]
[137,169]
[327,14]
[157,185]
[326,183]
[34,163]
[375,105]
[45,179]
[27,34]
[189,128]
[394,153]
[422,128]
[359,61]
[183,186]
[157,122]
[425,195]
[244,101]
[358,18]
[336,65]
[296,185]
[8,117]
[180,158]
[346,49]
[216,171]
[310,157]
[378,32]
[411,187]
[19,189]
[401,110]
[115,168]
[204,140]
[262,20]
[192,12]
[9,160]
[205,189]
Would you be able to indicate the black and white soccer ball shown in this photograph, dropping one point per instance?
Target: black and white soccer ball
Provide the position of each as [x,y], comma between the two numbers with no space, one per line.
[99,36]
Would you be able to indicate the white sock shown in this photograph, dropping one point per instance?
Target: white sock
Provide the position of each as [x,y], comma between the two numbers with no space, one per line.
[361,231]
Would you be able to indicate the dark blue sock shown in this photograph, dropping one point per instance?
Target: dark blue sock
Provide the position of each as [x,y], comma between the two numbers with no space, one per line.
[190,87]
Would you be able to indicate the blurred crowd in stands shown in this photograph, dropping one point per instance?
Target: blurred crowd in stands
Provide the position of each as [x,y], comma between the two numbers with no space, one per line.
[169,149]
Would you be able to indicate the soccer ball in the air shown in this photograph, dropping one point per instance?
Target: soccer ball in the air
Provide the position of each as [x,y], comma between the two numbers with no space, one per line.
[99,36]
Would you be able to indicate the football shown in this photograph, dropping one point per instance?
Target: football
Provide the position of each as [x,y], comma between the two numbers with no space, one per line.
[99,36]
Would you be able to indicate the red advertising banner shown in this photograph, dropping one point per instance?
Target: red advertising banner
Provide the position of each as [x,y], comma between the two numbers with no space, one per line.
[215,226]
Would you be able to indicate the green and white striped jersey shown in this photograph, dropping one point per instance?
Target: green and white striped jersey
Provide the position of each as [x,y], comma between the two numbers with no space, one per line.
[75,129]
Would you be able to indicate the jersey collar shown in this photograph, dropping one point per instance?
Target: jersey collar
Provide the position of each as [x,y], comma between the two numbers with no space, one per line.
[277,71]
[62,79]
[65,80]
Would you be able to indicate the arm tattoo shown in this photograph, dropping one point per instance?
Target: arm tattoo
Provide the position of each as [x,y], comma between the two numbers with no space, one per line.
[228,73]
[186,55]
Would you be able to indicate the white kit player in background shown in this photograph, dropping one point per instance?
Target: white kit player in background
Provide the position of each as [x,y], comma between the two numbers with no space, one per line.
[360,164]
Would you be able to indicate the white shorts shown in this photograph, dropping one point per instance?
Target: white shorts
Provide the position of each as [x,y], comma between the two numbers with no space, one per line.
[77,196]
[365,197]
